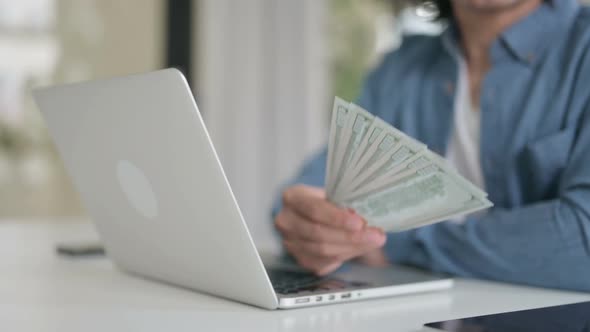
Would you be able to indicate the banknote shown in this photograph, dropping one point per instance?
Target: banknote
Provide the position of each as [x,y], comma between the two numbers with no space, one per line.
[416,199]
[376,142]
[417,164]
[473,205]
[405,153]
[392,180]
[354,132]
[339,119]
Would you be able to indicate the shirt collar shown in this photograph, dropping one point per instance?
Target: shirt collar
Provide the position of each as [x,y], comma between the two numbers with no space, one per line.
[526,40]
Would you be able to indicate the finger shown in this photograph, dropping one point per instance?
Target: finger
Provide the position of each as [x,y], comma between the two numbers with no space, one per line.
[312,263]
[327,269]
[324,258]
[282,222]
[311,203]
[294,226]
[324,251]
[372,239]
[304,258]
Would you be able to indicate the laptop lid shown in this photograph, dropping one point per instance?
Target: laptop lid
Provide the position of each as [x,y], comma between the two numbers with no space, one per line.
[138,152]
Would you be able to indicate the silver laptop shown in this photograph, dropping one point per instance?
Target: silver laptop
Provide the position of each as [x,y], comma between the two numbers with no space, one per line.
[142,161]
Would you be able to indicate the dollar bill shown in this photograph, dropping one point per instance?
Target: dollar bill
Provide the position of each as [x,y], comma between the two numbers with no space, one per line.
[475,204]
[422,163]
[415,199]
[354,132]
[339,120]
[414,165]
[393,161]
[444,164]
[376,142]
[389,178]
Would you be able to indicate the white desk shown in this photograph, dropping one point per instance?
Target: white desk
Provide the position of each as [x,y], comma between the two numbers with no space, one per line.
[40,291]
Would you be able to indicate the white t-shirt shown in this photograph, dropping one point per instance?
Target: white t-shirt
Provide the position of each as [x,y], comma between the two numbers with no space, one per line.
[463,151]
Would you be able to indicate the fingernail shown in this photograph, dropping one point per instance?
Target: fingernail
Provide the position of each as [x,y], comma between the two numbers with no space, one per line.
[373,236]
[354,223]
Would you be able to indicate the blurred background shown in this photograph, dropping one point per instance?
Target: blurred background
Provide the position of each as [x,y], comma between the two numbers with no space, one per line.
[263,72]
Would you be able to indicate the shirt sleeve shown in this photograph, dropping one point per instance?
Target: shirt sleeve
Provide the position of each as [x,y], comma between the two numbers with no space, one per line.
[544,244]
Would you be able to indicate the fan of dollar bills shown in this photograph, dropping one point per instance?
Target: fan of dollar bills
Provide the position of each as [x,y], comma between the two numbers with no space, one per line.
[390,179]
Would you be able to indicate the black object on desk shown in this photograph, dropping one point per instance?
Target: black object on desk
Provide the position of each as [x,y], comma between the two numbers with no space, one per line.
[79,249]
[563,318]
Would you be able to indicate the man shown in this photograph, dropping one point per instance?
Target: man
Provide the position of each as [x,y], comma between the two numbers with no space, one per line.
[504,94]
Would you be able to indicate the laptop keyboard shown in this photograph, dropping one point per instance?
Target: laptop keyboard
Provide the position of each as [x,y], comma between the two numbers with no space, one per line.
[291,282]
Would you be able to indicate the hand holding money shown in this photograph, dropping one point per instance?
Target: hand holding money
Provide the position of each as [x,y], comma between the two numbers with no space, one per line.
[320,235]
[393,181]
[375,174]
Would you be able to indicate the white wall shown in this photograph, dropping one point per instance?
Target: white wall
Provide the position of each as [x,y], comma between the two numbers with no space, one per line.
[262,84]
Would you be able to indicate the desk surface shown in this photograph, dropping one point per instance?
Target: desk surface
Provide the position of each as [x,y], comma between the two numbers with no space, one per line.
[40,291]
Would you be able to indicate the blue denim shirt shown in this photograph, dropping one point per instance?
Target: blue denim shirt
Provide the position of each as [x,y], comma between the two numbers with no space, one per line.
[535,148]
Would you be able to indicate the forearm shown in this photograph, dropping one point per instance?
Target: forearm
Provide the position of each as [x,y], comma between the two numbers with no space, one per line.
[545,244]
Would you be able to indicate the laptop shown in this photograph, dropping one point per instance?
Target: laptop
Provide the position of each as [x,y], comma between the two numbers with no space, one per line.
[140,157]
